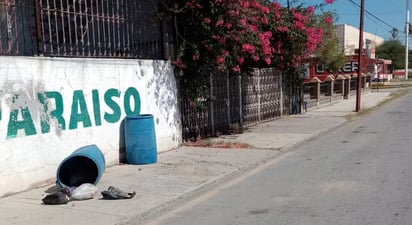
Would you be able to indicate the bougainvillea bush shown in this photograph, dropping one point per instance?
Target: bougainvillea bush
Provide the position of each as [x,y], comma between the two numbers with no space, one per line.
[236,34]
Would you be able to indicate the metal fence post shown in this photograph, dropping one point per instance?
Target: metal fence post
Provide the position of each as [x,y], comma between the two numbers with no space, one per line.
[258,95]
[228,98]
[281,93]
[240,101]
[39,31]
[211,105]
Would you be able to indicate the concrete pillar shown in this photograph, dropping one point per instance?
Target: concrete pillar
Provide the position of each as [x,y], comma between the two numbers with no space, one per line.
[346,88]
[370,81]
[315,90]
[330,82]
[340,79]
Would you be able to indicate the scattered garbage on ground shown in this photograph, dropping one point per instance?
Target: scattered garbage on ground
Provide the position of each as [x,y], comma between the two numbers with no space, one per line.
[84,192]
[77,176]
[57,198]
[113,193]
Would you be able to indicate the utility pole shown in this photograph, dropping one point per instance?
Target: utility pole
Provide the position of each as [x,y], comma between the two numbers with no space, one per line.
[360,55]
[407,41]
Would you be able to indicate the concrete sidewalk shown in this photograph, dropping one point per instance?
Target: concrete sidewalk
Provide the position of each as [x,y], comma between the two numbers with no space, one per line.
[182,173]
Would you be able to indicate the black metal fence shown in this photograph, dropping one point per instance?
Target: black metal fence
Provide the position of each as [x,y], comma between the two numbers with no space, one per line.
[85,28]
[226,103]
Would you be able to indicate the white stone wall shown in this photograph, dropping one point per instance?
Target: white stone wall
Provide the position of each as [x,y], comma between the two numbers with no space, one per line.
[49,107]
[348,37]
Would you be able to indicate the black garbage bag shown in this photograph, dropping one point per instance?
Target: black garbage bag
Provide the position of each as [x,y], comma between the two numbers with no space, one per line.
[57,198]
[113,193]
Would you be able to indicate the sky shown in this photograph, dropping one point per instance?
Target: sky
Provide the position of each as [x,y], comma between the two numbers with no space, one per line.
[391,12]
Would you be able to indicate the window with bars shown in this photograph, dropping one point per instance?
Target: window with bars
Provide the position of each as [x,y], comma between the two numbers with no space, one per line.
[85,28]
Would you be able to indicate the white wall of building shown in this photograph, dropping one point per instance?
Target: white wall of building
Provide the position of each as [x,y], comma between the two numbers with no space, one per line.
[50,107]
[348,37]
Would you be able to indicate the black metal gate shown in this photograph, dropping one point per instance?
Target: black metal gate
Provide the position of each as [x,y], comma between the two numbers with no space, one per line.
[225,103]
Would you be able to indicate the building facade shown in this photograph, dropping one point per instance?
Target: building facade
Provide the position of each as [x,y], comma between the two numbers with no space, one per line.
[348,37]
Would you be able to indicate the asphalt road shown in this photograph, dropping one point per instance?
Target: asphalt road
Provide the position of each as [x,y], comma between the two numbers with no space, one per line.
[359,174]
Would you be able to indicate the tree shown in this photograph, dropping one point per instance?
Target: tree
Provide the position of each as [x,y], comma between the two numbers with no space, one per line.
[328,52]
[393,50]
[233,34]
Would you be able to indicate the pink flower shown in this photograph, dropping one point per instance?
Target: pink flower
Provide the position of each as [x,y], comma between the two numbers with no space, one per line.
[248,48]
[328,1]
[219,23]
[179,63]
[283,29]
[220,60]
[240,60]
[329,20]
[265,10]
[243,21]
[206,20]
[216,37]
[246,4]
[298,16]
[311,9]
[267,60]
[299,25]
[256,58]
[236,69]
[253,28]
[228,25]
[276,5]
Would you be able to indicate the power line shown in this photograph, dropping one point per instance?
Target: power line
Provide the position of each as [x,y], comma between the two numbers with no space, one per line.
[377,18]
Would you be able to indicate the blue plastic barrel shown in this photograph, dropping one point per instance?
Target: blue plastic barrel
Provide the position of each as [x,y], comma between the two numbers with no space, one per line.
[85,165]
[140,139]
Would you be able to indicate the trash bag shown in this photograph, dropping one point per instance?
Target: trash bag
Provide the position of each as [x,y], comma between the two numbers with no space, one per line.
[113,193]
[57,198]
[84,191]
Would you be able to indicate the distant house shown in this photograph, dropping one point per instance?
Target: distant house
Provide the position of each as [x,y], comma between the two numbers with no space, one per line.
[348,37]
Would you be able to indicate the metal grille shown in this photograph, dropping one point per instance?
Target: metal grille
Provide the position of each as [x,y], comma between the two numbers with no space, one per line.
[353,86]
[16,23]
[86,28]
[224,103]
[309,97]
[97,28]
[324,93]
[251,104]
[235,102]
[219,105]
[194,106]
[262,95]
[270,94]
[337,90]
